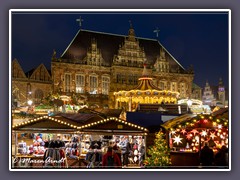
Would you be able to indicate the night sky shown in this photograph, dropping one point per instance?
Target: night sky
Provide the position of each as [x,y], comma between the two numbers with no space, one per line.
[193,38]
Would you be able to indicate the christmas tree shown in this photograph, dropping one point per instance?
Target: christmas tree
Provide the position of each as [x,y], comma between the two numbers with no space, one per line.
[158,155]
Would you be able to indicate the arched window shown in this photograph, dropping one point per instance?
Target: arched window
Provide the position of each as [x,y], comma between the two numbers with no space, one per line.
[38,96]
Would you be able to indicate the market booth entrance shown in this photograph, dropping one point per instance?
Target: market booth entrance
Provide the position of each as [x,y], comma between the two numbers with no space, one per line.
[79,132]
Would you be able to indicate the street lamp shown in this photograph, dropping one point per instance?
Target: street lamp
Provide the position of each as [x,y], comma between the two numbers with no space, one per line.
[29,102]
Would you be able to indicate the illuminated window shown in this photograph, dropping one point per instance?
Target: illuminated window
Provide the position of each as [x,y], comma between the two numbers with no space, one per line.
[93,84]
[38,96]
[161,85]
[183,89]
[105,85]
[130,79]
[173,86]
[80,83]
[67,83]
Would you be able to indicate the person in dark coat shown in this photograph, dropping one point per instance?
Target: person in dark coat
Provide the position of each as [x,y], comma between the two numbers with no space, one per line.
[221,157]
[206,155]
[125,150]
[111,155]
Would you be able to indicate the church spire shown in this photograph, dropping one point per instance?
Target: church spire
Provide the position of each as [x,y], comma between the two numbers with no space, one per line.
[220,83]
[131,33]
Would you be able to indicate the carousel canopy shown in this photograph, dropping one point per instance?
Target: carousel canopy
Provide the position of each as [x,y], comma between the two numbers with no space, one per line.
[146,92]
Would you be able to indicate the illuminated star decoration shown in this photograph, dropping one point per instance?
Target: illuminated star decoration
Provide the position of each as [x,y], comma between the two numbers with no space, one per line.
[204,133]
[173,132]
[194,131]
[212,135]
[183,131]
[197,138]
[189,136]
[177,139]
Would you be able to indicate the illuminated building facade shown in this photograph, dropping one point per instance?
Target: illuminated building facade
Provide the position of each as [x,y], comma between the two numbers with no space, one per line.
[32,86]
[98,64]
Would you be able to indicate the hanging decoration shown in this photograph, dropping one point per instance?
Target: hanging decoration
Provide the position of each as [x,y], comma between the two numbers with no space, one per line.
[177,139]
[197,130]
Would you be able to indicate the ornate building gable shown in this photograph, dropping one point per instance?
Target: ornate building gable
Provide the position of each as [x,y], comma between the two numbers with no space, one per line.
[208,95]
[130,53]
[161,64]
[94,55]
[17,71]
[196,92]
[40,74]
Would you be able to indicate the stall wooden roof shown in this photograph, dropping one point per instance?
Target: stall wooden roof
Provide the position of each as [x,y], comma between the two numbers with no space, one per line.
[80,122]
[202,121]
[178,120]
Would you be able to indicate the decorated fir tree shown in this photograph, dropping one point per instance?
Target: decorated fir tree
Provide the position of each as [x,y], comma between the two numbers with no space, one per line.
[158,155]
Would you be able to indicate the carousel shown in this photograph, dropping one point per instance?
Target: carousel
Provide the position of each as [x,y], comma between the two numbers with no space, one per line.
[145,93]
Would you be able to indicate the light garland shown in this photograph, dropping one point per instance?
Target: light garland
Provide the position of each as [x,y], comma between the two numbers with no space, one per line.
[209,125]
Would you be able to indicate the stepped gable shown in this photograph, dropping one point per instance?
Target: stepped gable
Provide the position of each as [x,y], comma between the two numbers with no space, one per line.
[17,71]
[109,45]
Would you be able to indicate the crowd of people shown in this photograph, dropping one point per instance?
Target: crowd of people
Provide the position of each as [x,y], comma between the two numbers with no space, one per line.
[118,154]
[209,159]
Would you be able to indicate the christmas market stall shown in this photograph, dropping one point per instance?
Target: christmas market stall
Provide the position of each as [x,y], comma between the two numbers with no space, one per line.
[46,134]
[187,134]
[79,133]
[111,131]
